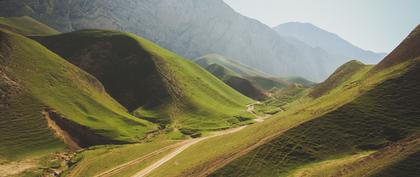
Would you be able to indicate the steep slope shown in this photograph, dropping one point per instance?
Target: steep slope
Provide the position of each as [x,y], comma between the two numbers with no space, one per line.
[380,119]
[151,81]
[238,83]
[188,27]
[260,79]
[407,50]
[341,75]
[40,90]
[26,26]
[330,42]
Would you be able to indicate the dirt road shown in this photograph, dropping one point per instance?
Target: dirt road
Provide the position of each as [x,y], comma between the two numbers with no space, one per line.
[189,143]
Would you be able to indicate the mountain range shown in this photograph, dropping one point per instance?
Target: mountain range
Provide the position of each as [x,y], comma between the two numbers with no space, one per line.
[190,28]
[79,102]
[330,42]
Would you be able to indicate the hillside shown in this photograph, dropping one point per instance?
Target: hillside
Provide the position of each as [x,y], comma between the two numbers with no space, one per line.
[25,26]
[356,138]
[341,75]
[330,42]
[238,83]
[152,82]
[407,50]
[39,89]
[190,28]
[241,69]
[258,78]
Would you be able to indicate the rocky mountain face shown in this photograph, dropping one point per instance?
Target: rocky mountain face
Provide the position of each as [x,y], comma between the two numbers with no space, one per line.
[330,42]
[188,27]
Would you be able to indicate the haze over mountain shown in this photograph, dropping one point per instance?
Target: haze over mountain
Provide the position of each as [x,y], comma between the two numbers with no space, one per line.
[330,42]
[188,27]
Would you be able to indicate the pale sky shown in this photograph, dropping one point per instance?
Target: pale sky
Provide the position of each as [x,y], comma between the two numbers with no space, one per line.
[377,25]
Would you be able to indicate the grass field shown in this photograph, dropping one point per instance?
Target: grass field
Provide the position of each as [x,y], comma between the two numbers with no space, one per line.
[95,161]
[37,79]
[379,117]
[26,26]
[153,82]
[214,153]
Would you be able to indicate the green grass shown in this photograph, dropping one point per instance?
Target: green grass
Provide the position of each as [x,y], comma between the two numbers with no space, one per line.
[230,64]
[25,26]
[279,99]
[46,80]
[328,167]
[211,153]
[342,74]
[151,81]
[387,113]
[232,68]
[97,160]
[235,81]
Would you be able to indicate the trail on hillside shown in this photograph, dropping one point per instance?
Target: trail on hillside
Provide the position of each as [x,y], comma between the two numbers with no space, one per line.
[189,143]
[179,148]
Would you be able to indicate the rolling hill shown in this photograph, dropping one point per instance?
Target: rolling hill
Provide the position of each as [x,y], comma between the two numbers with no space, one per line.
[47,103]
[238,83]
[355,138]
[26,26]
[152,82]
[258,78]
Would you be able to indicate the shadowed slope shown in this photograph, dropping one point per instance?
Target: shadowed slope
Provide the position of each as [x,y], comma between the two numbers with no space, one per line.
[258,78]
[242,85]
[151,81]
[34,80]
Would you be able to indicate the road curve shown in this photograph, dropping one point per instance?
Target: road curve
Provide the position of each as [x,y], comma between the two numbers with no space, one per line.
[180,149]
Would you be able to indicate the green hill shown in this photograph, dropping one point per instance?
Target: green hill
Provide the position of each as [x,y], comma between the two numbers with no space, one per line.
[407,50]
[260,79]
[341,75]
[236,82]
[35,81]
[152,82]
[25,26]
[355,138]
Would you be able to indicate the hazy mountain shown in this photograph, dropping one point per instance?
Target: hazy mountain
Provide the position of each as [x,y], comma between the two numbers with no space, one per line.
[188,27]
[330,42]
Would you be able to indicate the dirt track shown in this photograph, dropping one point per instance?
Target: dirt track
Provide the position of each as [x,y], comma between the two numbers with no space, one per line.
[189,143]
[179,148]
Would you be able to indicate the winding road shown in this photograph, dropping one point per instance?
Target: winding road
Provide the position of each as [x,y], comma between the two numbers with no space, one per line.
[179,148]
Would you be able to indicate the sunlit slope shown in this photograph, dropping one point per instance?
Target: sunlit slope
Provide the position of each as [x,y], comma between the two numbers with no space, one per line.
[26,26]
[407,50]
[340,76]
[151,81]
[34,80]
[384,115]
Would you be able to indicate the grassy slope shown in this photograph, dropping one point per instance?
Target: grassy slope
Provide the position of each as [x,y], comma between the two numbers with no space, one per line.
[96,160]
[26,26]
[238,83]
[377,119]
[239,68]
[341,75]
[214,152]
[259,79]
[162,85]
[46,80]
